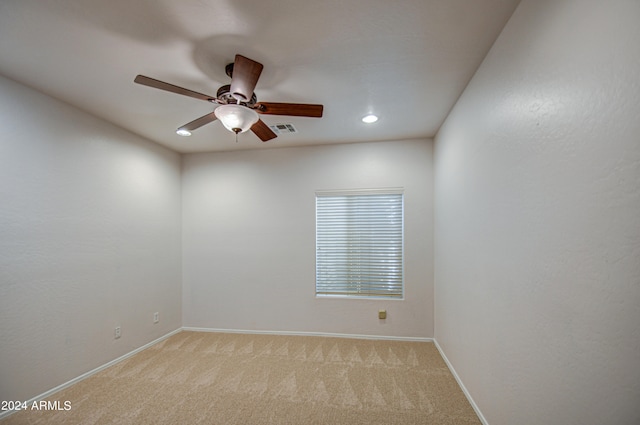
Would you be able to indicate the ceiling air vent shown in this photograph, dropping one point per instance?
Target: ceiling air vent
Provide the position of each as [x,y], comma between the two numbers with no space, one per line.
[283,128]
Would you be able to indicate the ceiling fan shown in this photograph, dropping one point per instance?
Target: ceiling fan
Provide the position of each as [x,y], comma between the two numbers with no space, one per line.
[238,106]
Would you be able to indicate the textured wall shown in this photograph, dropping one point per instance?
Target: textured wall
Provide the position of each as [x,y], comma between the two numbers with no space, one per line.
[249,238]
[89,239]
[537,264]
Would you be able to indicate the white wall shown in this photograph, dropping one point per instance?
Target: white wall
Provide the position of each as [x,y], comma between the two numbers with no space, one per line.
[89,239]
[249,238]
[537,235]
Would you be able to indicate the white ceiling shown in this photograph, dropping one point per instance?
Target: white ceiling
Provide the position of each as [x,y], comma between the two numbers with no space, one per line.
[406,61]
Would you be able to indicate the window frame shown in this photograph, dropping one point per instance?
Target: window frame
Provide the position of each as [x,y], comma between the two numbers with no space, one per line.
[398,295]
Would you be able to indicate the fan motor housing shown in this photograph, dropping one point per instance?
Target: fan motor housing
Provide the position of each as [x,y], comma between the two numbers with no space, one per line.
[225,96]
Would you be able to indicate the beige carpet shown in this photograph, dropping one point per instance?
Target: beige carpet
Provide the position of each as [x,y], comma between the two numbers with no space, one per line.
[216,378]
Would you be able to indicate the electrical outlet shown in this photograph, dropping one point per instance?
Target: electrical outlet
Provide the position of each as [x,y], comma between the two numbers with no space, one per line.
[117,332]
[382,314]
[156,317]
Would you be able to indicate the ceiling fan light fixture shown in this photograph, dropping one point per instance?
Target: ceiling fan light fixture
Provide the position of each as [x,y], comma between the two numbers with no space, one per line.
[237,105]
[236,118]
[369,119]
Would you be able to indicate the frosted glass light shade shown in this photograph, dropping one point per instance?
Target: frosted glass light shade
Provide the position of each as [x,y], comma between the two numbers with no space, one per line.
[236,118]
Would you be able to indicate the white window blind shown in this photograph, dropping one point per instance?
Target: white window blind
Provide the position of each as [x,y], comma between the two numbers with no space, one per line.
[359,243]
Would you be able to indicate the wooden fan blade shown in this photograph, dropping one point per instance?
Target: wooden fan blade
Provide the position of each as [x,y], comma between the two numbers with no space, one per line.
[293,109]
[263,131]
[157,84]
[199,122]
[244,78]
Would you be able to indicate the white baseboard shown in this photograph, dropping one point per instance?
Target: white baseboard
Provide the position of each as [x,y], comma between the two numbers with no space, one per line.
[295,333]
[464,389]
[91,372]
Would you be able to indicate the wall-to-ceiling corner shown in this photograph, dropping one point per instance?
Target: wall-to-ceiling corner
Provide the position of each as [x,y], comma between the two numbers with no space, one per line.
[537,234]
[89,240]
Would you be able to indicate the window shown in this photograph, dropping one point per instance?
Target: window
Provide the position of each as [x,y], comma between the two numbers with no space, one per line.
[359,243]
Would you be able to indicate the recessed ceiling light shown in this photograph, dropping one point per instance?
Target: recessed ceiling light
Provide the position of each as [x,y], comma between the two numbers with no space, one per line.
[370,119]
[183,132]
